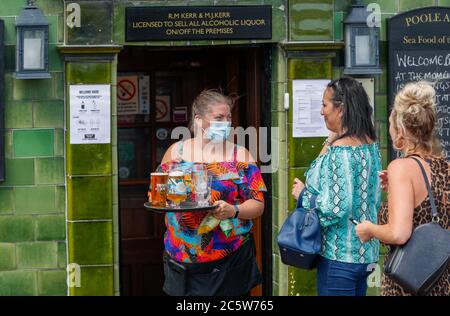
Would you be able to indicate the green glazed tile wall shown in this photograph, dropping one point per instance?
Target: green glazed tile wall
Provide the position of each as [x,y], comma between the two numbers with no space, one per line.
[32,219]
[95,281]
[97,198]
[90,243]
[96,28]
[89,192]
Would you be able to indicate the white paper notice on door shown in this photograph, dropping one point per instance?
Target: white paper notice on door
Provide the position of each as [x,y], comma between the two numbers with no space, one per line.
[90,114]
[306,103]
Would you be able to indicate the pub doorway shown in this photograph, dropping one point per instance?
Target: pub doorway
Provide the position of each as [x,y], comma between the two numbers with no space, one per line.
[155,88]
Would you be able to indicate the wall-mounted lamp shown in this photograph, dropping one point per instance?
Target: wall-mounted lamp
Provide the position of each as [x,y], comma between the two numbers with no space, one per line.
[32,44]
[361,42]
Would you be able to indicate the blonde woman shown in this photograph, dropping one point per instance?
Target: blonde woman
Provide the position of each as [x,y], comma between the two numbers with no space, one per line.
[412,127]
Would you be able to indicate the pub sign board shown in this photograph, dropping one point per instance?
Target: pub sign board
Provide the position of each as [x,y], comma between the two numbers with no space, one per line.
[419,49]
[198,23]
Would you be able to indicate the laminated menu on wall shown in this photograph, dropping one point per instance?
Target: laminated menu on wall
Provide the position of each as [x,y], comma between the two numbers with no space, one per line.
[306,103]
[90,114]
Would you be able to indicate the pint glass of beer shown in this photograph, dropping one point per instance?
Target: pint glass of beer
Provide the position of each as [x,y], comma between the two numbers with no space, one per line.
[176,188]
[159,188]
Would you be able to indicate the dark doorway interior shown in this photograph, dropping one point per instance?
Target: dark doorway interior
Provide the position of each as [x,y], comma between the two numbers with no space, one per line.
[175,77]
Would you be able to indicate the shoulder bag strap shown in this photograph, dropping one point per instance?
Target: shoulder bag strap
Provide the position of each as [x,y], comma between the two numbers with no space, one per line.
[430,193]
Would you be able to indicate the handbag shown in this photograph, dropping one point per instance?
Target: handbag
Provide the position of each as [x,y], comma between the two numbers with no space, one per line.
[419,264]
[299,239]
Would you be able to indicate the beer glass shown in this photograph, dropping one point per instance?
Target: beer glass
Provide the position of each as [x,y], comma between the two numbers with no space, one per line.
[176,188]
[202,184]
[159,188]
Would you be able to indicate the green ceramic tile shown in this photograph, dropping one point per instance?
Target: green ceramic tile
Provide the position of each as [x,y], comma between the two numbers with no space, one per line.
[383,29]
[33,143]
[8,83]
[294,173]
[275,289]
[89,198]
[17,283]
[52,283]
[278,65]
[18,114]
[311,20]
[61,24]
[60,198]
[59,142]
[373,291]
[389,6]
[118,21]
[34,90]
[310,68]
[19,172]
[90,243]
[276,267]
[381,107]
[301,282]
[384,157]
[95,281]
[88,72]
[96,28]
[278,91]
[406,5]
[343,5]
[35,200]
[338,26]
[58,85]
[51,7]
[7,257]
[37,255]
[382,134]
[10,66]
[49,114]
[6,200]
[10,37]
[278,24]
[52,29]
[11,8]
[8,144]
[89,159]
[52,227]
[62,255]
[50,170]
[302,151]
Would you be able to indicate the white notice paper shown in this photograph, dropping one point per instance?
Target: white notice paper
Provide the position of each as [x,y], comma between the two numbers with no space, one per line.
[307,102]
[90,114]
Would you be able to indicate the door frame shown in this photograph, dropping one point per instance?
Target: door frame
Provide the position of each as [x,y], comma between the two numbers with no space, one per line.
[262,70]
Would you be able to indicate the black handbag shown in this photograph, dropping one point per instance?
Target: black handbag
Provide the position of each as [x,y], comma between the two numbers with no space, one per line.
[420,263]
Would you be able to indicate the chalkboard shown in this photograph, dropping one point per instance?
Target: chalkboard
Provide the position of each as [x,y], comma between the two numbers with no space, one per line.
[419,49]
[2,103]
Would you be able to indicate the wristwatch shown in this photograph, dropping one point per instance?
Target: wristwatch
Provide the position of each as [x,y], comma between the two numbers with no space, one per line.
[236,211]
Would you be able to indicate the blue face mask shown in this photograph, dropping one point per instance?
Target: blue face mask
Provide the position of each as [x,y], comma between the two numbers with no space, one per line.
[218,131]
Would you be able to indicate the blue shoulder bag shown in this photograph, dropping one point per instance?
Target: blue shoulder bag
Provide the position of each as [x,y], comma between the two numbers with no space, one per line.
[299,239]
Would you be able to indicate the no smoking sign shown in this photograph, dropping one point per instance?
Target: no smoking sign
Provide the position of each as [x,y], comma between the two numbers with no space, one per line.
[127,95]
[126,90]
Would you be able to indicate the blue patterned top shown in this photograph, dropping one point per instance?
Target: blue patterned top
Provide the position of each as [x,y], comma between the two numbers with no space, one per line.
[345,180]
